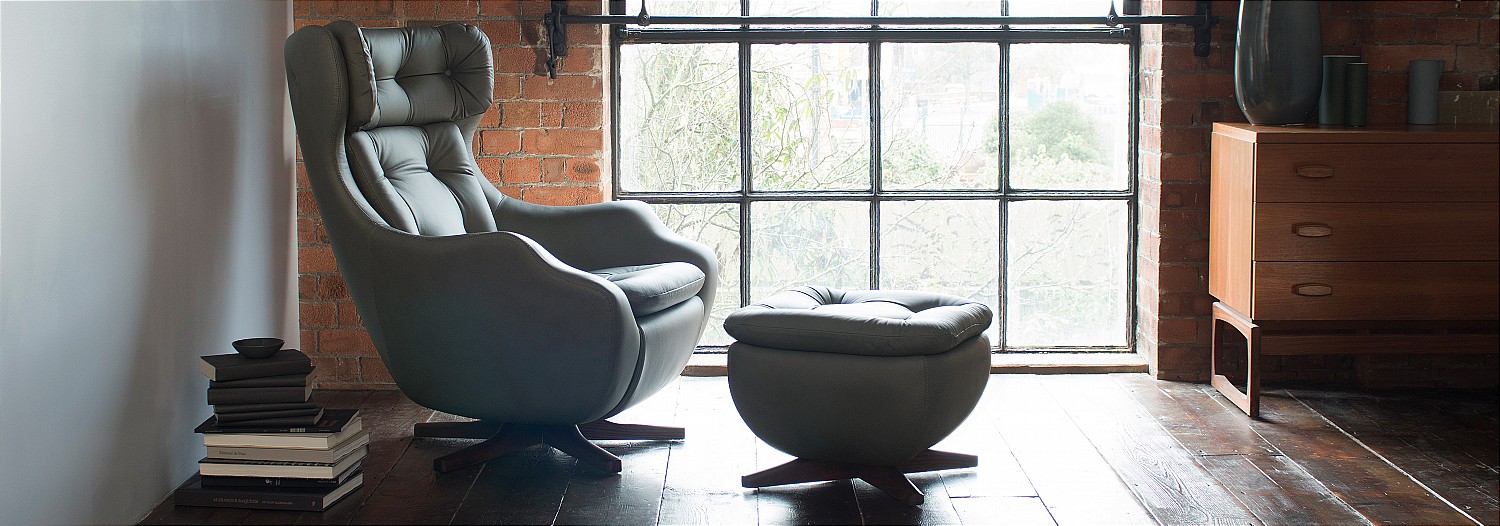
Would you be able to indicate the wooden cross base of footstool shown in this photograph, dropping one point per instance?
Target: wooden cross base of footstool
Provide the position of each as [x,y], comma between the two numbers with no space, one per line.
[890,479]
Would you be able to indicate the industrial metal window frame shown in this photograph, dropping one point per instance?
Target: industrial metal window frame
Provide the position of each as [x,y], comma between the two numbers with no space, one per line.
[1001,31]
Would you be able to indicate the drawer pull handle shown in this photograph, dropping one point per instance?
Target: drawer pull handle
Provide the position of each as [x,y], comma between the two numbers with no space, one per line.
[1312,230]
[1312,289]
[1315,171]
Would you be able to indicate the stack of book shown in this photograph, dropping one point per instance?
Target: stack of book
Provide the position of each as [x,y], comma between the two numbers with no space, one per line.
[261,392]
[284,468]
[284,457]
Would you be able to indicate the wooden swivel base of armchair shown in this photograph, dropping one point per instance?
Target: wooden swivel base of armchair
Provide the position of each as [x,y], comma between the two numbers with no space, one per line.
[890,479]
[501,439]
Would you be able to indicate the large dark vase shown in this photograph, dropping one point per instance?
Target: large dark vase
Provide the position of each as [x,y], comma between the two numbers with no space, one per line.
[1277,55]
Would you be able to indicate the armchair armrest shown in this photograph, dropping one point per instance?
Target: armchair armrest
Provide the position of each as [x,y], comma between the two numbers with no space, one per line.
[609,234]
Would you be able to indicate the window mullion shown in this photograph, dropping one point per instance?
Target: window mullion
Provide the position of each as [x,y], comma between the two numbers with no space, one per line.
[876,176]
[1003,206]
[746,179]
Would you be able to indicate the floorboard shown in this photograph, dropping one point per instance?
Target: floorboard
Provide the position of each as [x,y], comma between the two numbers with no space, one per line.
[1020,511]
[875,507]
[1194,418]
[1375,489]
[997,491]
[522,488]
[1071,478]
[410,492]
[1274,489]
[1053,450]
[1419,447]
[634,495]
[703,479]
[1161,473]
[811,503]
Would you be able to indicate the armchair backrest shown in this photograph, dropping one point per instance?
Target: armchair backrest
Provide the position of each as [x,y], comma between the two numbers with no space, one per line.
[415,97]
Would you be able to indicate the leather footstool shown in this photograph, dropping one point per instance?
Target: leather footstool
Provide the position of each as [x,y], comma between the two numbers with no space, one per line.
[858,384]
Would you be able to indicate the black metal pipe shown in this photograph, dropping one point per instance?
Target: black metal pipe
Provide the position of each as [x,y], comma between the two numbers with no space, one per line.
[836,29]
[862,35]
[825,21]
[888,195]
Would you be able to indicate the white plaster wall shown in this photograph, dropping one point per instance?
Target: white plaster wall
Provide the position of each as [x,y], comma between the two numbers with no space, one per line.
[146,218]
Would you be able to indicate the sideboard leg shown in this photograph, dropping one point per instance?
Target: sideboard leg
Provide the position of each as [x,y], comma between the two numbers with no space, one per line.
[1249,400]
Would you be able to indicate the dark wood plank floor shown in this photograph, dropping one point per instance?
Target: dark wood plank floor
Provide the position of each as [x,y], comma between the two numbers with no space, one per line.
[1054,449]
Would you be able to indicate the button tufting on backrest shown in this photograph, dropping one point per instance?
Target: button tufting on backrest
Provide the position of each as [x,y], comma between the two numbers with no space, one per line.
[415,75]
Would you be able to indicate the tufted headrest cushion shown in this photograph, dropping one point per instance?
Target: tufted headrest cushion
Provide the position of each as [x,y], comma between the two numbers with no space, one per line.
[868,322]
[415,75]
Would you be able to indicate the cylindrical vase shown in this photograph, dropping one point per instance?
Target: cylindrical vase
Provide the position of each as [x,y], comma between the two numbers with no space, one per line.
[1356,93]
[1422,91]
[1331,100]
[1277,54]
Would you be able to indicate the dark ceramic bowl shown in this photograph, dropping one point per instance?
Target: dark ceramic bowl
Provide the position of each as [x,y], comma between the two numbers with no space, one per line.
[258,347]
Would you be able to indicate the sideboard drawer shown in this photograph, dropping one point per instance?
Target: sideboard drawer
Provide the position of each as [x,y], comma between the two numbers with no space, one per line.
[1377,231]
[1448,290]
[1303,173]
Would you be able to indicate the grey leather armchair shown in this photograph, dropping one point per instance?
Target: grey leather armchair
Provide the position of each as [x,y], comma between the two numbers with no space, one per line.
[539,322]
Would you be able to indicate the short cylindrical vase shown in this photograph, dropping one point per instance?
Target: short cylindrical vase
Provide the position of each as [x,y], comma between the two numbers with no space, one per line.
[1422,91]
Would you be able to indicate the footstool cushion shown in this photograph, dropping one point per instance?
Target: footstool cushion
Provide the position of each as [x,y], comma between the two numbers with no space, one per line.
[863,377]
[868,322]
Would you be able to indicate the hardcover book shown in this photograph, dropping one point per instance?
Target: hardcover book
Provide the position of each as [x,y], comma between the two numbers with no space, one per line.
[226,409]
[285,380]
[194,493]
[283,483]
[259,395]
[336,427]
[267,422]
[292,455]
[226,367]
[311,416]
[333,421]
[225,467]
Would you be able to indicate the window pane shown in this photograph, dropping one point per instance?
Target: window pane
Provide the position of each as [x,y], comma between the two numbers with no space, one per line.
[941,116]
[800,243]
[1065,273]
[718,226]
[950,247]
[1062,8]
[806,8]
[810,127]
[679,122]
[685,8]
[1069,116]
[940,8]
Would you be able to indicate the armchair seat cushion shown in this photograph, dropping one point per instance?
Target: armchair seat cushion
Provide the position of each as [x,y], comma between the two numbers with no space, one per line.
[652,288]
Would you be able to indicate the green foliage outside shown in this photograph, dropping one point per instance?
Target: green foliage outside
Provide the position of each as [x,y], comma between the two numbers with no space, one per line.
[1056,132]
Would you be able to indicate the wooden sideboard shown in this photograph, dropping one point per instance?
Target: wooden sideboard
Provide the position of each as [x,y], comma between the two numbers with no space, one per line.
[1373,240]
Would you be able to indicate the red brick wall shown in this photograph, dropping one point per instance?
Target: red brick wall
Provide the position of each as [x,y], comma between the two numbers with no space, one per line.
[1182,95]
[543,142]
